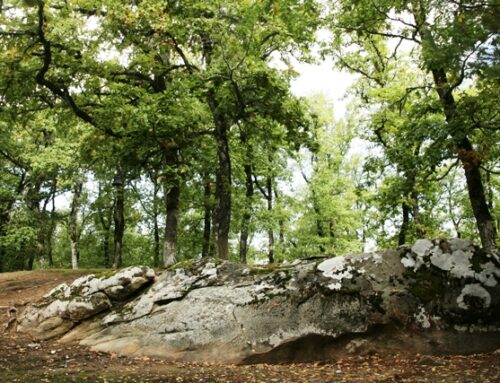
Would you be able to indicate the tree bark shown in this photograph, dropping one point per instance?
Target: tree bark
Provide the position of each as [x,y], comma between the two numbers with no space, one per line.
[247,213]
[222,213]
[456,221]
[484,220]
[2,254]
[31,259]
[105,225]
[156,227]
[419,227]
[2,250]
[270,232]
[223,183]
[207,216]
[105,248]
[172,207]
[405,224]
[471,163]
[4,221]
[319,227]
[171,192]
[213,240]
[41,249]
[52,224]
[281,226]
[33,202]
[249,192]
[119,217]
[105,217]
[73,223]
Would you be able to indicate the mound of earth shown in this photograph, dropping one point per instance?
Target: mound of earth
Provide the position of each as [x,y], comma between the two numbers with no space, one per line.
[439,296]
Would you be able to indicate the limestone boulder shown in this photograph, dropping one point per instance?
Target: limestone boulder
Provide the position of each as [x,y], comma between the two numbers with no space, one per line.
[67,305]
[81,308]
[436,296]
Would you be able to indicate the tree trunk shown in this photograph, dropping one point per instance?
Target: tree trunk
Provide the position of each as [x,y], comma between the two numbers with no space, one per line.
[419,228]
[249,192]
[405,224]
[223,180]
[41,250]
[469,158]
[319,227]
[270,232]
[51,230]
[207,216]
[33,202]
[4,221]
[156,236]
[31,259]
[213,240]
[119,217]
[222,213]
[73,223]
[48,229]
[281,226]
[281,240]
[2,251]
[471,163]
[104,214]
[490,192]
[105,225]
[5,209]
[2,255]
[171,192]
[247,214]
[156,228]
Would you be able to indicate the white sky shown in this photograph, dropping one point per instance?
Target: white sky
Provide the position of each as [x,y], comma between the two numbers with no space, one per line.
[323,78]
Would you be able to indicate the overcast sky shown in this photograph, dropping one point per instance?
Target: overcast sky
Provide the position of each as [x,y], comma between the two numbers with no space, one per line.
[323,78]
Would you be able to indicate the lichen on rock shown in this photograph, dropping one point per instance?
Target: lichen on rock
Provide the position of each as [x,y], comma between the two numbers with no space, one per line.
[474,291]
[192,311]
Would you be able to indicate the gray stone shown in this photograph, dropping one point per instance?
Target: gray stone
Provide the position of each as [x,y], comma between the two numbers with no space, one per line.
[66,305]
[238,313]
[51,327]
[81,308]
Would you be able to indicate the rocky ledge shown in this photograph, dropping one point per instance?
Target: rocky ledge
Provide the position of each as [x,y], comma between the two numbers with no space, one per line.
[437,296]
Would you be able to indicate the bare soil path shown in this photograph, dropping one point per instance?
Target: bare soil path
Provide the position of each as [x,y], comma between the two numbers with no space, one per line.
[24,360]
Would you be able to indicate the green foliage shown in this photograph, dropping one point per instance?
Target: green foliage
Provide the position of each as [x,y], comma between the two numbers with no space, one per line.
[128,100]
[330,222]
[419,90]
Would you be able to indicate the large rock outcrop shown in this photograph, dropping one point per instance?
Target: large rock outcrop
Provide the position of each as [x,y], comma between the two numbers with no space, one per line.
[65,306]
[435,296]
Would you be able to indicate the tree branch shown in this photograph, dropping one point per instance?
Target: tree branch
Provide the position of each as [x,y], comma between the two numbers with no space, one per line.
[452,166]
[359,71]
[261,189]
[10,158]
[180,52]
[60,90]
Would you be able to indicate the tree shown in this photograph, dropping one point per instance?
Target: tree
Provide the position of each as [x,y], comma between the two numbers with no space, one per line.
[450,40]
[330,222]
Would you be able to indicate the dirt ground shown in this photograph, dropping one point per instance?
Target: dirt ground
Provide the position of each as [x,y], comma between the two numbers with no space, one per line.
[24,360]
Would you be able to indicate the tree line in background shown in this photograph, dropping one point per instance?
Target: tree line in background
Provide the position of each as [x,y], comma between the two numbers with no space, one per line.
[157,131]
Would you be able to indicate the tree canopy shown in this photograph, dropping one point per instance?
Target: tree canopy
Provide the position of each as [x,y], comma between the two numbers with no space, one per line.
[157,131]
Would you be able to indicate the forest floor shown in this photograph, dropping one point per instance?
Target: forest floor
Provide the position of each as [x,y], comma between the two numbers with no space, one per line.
[24,360]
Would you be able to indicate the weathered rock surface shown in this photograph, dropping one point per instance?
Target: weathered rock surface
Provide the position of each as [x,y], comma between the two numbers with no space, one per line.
[65,306]
[437,296]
